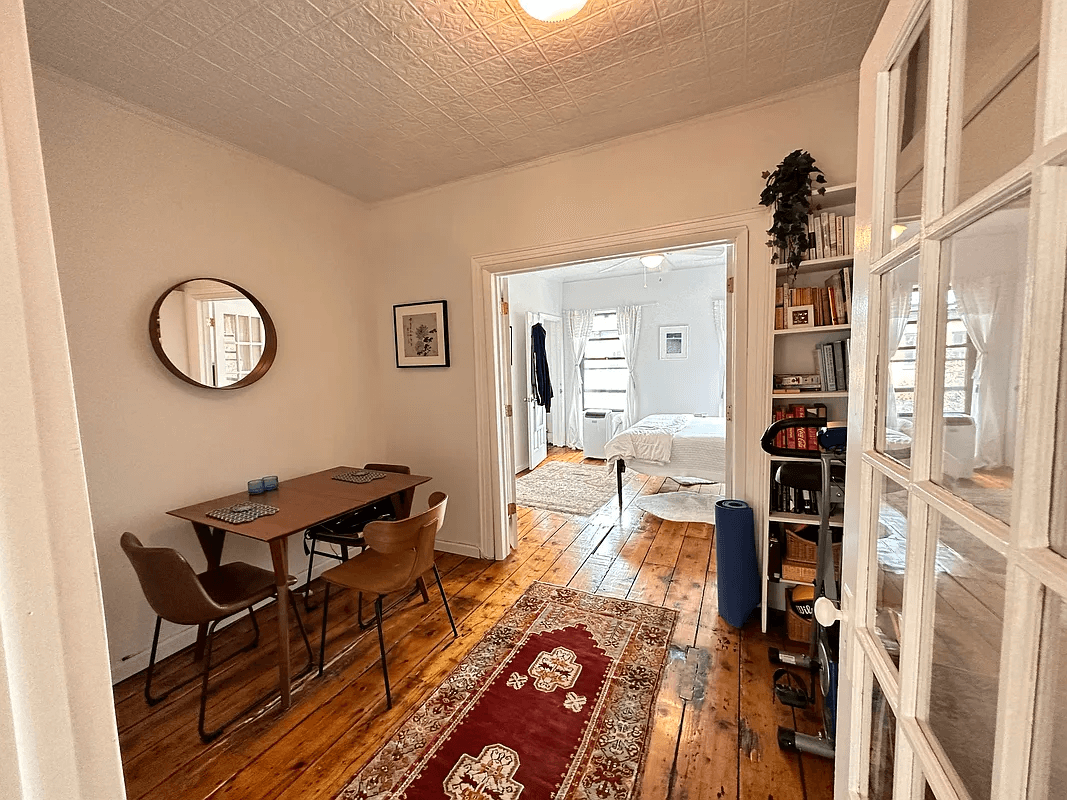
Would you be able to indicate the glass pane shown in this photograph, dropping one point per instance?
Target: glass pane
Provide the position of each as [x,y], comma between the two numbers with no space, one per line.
[604,323]
[968,623]
[892,553]
[257,329]
[900,312]
[608,400]
[257,352]
[596,379]
[883,746]
[983,307]
[1048,777]
[999,90]
[229,327]
[243,333]
[610,348]
[906,206]
[245,358]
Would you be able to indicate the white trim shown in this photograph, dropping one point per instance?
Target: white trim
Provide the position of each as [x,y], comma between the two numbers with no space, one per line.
[458,548]
[58,736]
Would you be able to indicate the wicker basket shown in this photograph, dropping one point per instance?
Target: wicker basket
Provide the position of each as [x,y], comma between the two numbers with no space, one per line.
[798,624]
[800,549]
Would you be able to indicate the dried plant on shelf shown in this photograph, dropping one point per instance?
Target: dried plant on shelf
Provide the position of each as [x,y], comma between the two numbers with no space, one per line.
[788,190]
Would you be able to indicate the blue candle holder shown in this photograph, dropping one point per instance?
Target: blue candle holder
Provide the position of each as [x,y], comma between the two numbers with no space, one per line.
[256,486]
[270,483]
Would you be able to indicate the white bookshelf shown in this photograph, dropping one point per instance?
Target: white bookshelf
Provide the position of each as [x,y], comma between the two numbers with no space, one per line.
[792,351]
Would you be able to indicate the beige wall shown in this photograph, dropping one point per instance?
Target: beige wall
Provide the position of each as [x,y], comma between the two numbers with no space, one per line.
[136,207]
[423,245]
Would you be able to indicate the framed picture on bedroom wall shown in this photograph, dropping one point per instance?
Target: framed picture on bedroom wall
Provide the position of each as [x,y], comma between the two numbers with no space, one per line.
[673,342]
[421,334]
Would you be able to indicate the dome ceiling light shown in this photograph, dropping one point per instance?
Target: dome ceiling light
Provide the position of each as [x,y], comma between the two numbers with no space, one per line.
[552,10]
[652,261]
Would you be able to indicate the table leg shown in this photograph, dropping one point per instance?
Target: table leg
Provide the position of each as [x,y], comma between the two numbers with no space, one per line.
[279,554]
[402,502]
[211,542]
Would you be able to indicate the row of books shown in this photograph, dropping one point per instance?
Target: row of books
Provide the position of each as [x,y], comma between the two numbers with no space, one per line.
[830,235]
[800,438]
[789,500]
[831,303]
[832,360]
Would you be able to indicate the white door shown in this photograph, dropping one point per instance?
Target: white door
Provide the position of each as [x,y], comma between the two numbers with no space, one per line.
[538,427]
[557,419]
[954,582]
[237,338]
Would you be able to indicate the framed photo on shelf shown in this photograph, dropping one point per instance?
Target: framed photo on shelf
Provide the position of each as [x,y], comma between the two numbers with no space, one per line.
[800,317]
[420,332]
[673,342]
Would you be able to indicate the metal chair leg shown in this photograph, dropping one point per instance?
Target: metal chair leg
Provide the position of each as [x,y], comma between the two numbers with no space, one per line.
[255,626]
[303,634]
[359,612]
[325,614]
[452,622]
[207,736]
[307,583]
[151,665]
[381,647]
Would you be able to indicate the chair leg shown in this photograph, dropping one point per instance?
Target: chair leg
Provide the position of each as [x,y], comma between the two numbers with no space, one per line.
[207,736]
[452,622]
[359,612]
[325,615]
[421,583]
[255,626]
[303,634]
[381,646]
[151,665]
[344,552]
[307,583]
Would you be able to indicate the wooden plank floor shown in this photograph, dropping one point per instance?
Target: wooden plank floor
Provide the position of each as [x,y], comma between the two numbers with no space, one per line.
[716,720]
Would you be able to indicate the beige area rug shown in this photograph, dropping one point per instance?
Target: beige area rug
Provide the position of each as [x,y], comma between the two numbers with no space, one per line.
[571,488]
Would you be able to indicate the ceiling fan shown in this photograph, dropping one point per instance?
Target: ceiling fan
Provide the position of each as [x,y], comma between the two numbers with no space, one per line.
[653,262]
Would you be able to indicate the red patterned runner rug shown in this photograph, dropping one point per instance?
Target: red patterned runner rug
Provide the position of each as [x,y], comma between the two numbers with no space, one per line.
[555,701]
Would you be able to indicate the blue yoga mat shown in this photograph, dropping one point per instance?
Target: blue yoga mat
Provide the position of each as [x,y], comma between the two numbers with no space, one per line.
[735,554]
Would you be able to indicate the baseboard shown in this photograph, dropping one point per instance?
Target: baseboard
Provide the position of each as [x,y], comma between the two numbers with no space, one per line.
[459,548]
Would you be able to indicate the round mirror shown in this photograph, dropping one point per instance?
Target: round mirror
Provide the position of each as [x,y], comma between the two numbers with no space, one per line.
[212,333]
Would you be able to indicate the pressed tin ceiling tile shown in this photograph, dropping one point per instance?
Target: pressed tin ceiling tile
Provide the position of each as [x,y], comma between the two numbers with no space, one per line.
[383,97]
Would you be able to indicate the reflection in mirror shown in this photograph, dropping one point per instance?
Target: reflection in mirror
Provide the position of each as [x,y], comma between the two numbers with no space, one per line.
[212,333]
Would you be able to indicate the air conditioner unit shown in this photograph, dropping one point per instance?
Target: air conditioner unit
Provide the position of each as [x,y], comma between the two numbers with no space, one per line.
[600,426]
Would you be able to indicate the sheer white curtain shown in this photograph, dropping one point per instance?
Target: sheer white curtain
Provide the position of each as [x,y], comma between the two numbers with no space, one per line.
[629,321]
[979,299]
[718,317]
[579,326]
[899,286]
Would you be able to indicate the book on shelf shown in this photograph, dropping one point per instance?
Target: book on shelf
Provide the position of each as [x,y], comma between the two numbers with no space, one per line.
[832,358]
[830,235]
[831,303]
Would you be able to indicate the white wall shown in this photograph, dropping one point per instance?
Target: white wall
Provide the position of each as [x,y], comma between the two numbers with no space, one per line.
[137,207]
[530,293]
[422,246]
[688,386]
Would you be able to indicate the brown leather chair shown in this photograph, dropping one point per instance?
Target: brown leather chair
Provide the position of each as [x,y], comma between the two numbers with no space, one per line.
[397,555]
[179,595]
[347,531]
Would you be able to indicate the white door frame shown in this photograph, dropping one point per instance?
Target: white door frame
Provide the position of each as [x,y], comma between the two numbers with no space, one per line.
[496,474]
[58,736]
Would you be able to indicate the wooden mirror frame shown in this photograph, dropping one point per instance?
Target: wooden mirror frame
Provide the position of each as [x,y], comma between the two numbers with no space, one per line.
[270,343]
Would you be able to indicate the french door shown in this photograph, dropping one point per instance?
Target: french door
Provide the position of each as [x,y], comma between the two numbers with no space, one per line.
[954,602]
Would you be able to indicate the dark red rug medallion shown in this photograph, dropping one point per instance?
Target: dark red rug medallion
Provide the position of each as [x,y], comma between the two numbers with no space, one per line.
[555,701]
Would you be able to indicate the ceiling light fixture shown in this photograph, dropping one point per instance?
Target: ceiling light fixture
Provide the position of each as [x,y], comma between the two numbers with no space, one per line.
[652,261]
[897,231]
[552,10]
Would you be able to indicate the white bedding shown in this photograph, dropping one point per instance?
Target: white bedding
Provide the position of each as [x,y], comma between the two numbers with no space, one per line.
[697,448]
[649,439]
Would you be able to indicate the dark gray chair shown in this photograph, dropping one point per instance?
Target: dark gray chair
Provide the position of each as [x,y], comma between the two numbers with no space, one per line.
[179,595]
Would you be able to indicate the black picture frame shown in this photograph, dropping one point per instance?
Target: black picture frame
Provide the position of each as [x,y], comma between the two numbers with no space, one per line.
[428,348]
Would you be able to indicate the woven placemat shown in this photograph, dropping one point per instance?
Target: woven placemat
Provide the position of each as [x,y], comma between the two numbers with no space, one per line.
[242,512]
[360,476]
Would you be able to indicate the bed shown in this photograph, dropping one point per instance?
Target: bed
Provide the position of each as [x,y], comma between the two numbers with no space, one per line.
[670,445]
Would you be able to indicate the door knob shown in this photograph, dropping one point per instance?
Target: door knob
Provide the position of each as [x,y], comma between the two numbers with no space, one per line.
[827,612]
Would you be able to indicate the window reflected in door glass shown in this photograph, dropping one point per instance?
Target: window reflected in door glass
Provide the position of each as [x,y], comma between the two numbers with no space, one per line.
[982,311]
[1048,777]
[883,746]
[900,337]
[969,582]
[999,97]
[905,207]
[892,505]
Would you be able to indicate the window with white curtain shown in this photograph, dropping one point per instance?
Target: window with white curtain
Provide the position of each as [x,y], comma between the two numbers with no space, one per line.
[604,374]
[960,357]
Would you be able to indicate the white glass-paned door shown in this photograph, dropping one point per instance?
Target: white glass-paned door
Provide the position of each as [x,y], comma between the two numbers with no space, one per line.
[960,429]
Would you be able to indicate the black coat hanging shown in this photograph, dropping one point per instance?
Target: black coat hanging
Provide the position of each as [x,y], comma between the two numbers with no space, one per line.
[540,380]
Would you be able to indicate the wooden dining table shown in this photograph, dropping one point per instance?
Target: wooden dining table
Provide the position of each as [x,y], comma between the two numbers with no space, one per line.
[301,503]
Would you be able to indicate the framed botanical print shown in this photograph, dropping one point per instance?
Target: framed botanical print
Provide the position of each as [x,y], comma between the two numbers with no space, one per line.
[420,331]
